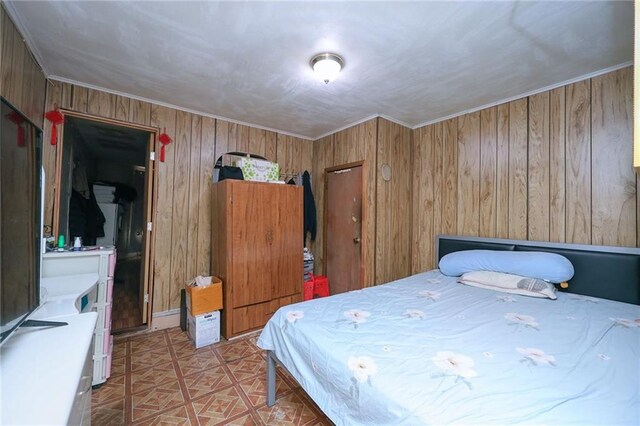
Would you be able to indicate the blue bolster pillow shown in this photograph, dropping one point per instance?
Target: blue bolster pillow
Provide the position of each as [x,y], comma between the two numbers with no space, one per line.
[535,264]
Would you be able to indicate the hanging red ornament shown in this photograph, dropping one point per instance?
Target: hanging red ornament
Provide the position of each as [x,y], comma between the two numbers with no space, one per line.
[17,119]
[165,140]
[55,117]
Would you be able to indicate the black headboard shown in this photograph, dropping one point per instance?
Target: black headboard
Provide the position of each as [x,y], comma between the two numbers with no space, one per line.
[600,271]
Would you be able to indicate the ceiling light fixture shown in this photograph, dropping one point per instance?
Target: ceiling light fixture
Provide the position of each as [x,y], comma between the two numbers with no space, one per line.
[327,66]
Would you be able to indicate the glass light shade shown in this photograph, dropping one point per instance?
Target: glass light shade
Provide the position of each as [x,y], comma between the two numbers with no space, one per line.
[326,66]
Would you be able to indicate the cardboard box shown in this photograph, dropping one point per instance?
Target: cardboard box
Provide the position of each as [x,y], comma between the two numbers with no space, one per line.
[201,300]
[259,170]
[204,329]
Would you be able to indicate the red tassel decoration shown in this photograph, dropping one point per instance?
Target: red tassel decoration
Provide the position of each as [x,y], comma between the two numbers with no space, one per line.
[17,119]
[55,117]
[165,140]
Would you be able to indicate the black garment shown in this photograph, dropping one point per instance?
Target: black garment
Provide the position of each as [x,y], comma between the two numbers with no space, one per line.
[310,224]
[85,218]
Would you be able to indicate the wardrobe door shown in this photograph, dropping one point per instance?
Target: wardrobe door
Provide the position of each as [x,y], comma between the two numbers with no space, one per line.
[252,230]
[288,242]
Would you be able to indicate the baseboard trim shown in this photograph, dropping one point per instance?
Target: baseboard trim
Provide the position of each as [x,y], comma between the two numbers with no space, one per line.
[165,319]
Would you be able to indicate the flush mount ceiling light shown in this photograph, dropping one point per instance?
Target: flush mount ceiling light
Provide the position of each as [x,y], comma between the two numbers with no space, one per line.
[327,66]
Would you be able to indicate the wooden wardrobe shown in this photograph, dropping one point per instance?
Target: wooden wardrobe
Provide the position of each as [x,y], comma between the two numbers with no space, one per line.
[256,249]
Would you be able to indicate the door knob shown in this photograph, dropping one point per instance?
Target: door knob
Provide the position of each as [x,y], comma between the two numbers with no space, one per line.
[356,240]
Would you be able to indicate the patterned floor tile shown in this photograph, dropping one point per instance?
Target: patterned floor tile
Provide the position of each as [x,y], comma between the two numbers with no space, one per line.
[110,413]
[176,335]
[288,377]
[119,349]
[197,362]
[253,340]
[126,293]
[244,420]
[207,381]
[186,348]
[156,400]
[223,383]
[111,390]
[157,375]
[148,342]
[251,366]
[144,360]
[219,406]
[290,410]
[176,417]
[118,366]
[237,349]
[256,391]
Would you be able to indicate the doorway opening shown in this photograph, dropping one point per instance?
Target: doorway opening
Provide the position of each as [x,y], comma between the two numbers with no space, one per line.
[343,227]
[105,177]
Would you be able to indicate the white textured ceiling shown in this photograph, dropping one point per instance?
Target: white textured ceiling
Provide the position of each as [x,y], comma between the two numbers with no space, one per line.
[413,62]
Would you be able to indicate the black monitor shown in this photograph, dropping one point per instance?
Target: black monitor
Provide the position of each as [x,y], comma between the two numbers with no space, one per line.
[21,184]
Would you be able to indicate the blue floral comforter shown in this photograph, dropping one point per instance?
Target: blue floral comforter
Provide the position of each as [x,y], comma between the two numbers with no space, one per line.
[427,350]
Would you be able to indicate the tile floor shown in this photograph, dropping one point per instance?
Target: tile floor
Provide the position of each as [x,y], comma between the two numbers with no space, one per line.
[159,378]
[125,310]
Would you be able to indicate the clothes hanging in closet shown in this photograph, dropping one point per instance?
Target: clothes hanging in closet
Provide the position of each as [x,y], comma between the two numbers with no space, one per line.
[310,224]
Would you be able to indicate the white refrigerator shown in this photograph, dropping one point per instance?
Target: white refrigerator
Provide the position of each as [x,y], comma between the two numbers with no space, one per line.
[111,225]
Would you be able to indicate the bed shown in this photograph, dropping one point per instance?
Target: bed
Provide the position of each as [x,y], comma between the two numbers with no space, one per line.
[428,350]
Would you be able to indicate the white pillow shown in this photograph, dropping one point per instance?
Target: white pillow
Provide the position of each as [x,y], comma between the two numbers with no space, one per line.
[509,283]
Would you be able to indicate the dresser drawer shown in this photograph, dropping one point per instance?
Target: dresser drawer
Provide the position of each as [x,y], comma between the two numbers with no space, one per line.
[81,409]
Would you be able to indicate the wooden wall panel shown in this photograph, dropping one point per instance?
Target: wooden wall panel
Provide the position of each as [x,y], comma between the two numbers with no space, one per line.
[614,183]
[438,182]
[423,203]
[518,169]
[488,159]
[207,160]
[557,175]
[180,213]
[163,118]
[578,162]
[80,99]
[538,168]
[555,166]
[193,205]
[139,112]
[468,209]
[502,172]
[393,215]
[101,103]
[22,82]
[450,177]
[322,158]
[121,108]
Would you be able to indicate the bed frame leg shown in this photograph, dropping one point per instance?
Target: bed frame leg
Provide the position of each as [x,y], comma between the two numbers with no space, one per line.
[271,379]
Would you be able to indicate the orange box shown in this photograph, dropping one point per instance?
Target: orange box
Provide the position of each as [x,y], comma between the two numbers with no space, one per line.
[201,300]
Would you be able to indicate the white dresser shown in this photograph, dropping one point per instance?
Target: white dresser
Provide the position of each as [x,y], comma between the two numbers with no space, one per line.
[101,262]
[46,372]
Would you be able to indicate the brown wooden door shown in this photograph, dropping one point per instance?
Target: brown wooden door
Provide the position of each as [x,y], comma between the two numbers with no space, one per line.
[253,221]
[344,229]
[287,245]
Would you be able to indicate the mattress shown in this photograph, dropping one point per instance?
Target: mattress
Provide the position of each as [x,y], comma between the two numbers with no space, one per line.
[428,350]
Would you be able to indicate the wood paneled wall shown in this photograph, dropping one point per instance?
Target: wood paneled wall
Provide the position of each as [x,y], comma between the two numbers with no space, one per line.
[555,166]
[182,225]
[22,82]
[387,221]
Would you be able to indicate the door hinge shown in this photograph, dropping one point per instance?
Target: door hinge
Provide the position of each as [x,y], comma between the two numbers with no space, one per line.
[146,298]
[152,155]
[149,226]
